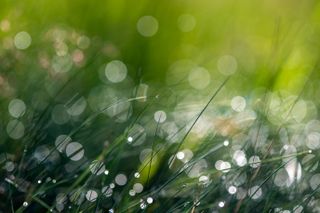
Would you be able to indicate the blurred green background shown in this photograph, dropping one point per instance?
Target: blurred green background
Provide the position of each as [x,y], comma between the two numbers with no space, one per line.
[275,43]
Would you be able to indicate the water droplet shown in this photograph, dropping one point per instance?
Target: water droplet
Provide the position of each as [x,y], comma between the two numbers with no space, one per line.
[22,40]
[147,26]
[160,116]
[137,175]
[232,189]
[74,151]
[116,71]
[121,179]
[17,108]
[91,195]
[221,204]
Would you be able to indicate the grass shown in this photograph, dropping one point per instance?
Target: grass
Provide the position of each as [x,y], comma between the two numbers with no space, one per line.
[147,135]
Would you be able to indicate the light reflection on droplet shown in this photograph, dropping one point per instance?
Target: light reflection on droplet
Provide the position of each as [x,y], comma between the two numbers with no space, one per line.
[17,108]
[238,103]
[121,179]
[116,71]
[149,200]
[240,158]
[138,187]
[22,40]
[61,142]
[107,191]
[136,174]
[25,204]
[91,195]
[160,116]
[97,168]
[180,155]
[232,190]
[136,135]
[254,161]
[147,26]
[74,151]
[221,204]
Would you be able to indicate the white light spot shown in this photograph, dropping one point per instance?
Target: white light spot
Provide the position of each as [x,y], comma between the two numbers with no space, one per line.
[116,71]
[25,204]
[232,190]
[17,108]
[130,139]
[132,192]
[147,26]
[199,78]
[137,175]
[74,151]
[138,187]
[160,116]
[180,155]
[238,103]
[226,143]
[313,140]
[22,40]
[149,200]
[240,158]
[221,204]
[106,172]
[254,161]
[121,179]
[91,195]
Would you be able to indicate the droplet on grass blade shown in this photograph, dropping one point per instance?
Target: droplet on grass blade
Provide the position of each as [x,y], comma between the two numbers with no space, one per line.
[61,142]
[91,195]
[97,168]
[74,151]
[160,116]
[238,103]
